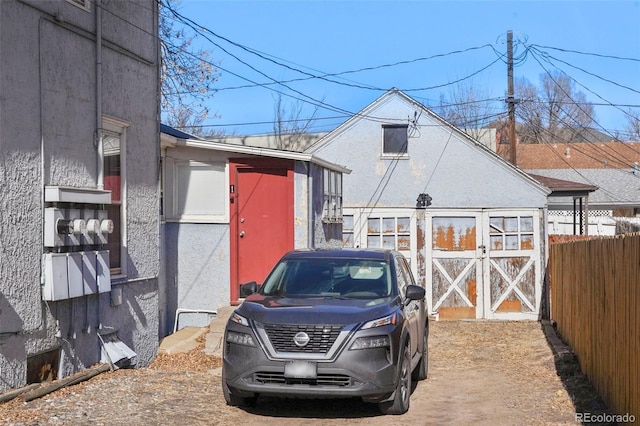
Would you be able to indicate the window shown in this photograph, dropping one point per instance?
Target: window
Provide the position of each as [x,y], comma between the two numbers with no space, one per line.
[511,233]
[403,274]
[332,190]
[113,143]
[395,139]
[200,191]
[347,231]
[389,233]
[195,191]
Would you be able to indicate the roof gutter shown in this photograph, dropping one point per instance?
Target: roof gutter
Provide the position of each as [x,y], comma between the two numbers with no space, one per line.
[266,152]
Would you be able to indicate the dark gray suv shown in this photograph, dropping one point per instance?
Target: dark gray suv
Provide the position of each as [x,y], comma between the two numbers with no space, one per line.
[329,323]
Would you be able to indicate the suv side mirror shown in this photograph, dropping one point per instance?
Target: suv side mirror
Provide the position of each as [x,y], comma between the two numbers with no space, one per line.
[248,288]
[415,292]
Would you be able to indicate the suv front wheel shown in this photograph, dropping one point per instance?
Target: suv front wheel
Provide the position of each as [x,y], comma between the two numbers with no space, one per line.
[400,402]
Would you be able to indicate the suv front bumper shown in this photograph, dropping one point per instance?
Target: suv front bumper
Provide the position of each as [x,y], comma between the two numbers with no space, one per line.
[370,374]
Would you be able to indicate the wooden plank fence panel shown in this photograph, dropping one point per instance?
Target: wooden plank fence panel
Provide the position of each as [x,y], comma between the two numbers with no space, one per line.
[595,298]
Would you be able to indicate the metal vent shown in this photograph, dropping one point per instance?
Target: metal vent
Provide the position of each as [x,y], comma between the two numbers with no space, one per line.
[83,4]
[264,377]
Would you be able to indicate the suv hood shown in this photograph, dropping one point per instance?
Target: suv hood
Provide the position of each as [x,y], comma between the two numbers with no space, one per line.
[284,310]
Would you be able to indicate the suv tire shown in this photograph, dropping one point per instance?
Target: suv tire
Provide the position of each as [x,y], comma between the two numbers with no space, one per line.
[400,402]
[235,400]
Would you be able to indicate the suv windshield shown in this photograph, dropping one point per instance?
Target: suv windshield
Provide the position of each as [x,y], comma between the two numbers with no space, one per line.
[324,277]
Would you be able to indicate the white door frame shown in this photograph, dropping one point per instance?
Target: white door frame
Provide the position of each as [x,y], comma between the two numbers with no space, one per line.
[474,256]
[534,261]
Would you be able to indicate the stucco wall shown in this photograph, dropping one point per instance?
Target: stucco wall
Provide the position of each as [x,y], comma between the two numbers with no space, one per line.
[47,137]
[197,266]
[453,171]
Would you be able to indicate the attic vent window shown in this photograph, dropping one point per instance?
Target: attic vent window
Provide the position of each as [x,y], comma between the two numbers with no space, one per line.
[82,4]
[395,139]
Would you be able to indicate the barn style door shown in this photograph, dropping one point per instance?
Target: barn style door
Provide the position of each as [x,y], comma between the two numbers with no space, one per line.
[483,264]
[454,264]
[512,267]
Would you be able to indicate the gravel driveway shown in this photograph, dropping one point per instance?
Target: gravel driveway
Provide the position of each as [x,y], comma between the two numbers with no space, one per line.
[480,372]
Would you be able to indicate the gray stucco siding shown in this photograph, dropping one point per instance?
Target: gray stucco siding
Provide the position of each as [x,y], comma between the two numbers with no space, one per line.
[454,171]
[49,76]
[197,271]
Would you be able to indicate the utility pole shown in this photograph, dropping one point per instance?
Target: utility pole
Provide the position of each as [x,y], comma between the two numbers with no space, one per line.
[511,101]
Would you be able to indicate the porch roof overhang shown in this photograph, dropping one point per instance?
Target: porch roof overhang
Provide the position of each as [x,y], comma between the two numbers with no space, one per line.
[564,188]
[577,192]
[260,151]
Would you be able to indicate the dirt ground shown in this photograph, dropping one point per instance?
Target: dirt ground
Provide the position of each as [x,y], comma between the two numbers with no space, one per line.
[497,373]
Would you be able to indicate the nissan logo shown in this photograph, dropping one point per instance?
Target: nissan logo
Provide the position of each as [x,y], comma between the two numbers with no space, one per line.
[301,339]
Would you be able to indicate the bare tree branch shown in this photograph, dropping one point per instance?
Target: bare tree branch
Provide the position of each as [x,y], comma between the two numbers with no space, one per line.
[187,74]
[632,130]
[467,108]
[291,130]
[554,112]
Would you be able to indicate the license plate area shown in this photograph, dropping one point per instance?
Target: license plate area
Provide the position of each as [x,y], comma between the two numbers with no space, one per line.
[300,370]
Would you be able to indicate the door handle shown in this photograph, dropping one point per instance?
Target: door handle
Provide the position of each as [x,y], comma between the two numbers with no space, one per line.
[241,234]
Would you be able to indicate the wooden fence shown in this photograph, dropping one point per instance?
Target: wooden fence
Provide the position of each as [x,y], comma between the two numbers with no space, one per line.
[595,300]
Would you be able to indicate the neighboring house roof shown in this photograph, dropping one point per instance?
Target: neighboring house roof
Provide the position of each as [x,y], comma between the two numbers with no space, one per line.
[168,130]
[616,187]
[564,187]
[599,155]
[173,141]
[297,142]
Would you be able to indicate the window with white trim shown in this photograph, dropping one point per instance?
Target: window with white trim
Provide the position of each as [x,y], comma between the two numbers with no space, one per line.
[199,191]
[511,233]
[114,148]
[332,196]
[389,233]
[347,231]
[395,139]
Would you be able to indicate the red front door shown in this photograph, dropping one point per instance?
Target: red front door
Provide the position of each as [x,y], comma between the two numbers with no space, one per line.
[261,218]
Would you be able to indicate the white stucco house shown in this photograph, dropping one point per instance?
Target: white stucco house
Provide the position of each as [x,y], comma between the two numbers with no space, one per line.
[79,186]
[471,224]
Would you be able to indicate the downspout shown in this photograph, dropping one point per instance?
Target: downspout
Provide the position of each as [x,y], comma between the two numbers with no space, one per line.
[100,159]
[311,225]
[100,156]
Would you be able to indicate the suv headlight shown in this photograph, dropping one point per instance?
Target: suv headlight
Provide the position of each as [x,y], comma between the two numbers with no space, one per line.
[240,338]
[380,322]
[371,342]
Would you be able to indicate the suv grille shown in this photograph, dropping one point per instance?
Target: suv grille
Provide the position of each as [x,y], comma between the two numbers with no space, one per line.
[321,337]
[264,377]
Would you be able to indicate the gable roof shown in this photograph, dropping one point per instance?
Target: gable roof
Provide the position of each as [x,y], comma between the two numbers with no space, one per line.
[368,113]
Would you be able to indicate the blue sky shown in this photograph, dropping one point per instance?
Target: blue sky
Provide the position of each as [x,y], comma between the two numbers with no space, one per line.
[327,37]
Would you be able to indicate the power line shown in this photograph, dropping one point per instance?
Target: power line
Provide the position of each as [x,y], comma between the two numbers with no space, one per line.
[521,58]
[581,109]
[586,53]
[589,90]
